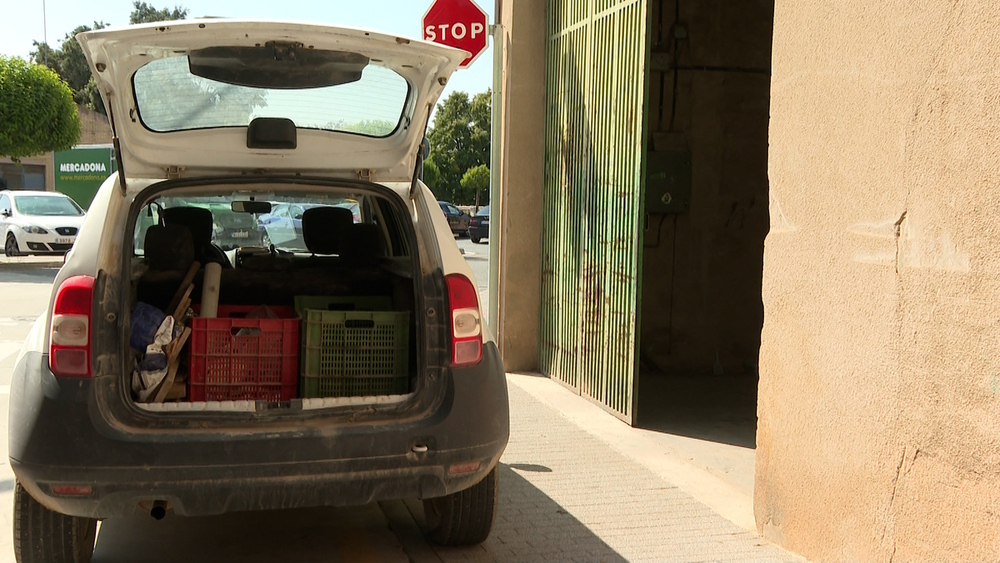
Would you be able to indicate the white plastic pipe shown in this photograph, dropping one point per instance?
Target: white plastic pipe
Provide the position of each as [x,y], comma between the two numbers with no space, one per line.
[210,290]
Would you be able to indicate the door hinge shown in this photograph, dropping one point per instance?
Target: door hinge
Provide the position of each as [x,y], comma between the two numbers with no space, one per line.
[368,175]
[174,172]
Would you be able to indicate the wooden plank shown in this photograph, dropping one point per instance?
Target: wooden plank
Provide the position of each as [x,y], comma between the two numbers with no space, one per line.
[182,288]
[173,363]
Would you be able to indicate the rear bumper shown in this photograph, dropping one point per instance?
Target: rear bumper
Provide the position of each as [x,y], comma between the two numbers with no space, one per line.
[200,490]
[479,232]
[56,439]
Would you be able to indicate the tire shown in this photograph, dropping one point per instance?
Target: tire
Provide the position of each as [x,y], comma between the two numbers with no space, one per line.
[10,246]
[465,517]
[44,536]
[475,240]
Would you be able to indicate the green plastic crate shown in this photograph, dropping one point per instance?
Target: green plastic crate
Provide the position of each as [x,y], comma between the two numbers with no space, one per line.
[342,303]
[355,353]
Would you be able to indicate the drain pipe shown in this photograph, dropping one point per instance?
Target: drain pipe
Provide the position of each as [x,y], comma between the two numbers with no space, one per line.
[496,197]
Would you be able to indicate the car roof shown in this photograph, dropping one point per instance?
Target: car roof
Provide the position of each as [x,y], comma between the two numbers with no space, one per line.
[19,193]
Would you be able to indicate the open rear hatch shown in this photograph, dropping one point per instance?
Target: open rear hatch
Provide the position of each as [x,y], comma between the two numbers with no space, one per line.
[209,97]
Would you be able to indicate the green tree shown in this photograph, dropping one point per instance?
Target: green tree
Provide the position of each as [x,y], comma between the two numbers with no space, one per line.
[145,13]
[476,185]
[69,62]
[37,114]
[432,174]
[460,140]
[370,127]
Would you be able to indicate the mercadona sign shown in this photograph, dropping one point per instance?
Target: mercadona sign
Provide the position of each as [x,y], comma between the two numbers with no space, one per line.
[80,171]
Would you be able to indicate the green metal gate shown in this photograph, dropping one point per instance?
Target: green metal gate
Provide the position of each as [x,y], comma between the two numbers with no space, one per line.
[596,97]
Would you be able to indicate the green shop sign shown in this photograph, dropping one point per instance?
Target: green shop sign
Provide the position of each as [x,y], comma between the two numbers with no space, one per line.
[80,171]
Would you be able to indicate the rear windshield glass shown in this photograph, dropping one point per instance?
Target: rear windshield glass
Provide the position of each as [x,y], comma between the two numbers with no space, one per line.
[170,98]
[47,206]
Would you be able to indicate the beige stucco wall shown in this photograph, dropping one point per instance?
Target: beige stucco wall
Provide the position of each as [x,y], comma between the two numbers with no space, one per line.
[94,127]
[523,162]
[879,432]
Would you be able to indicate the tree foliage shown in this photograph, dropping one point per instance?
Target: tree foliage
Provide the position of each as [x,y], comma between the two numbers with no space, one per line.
[370,127]
[460,140]
[145,13]
[476,181]
[69,62]
[432,174]
[37,114]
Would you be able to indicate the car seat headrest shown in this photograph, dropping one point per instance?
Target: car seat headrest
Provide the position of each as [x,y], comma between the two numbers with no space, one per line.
[322,228]
[196,219]
[168,247]
[361,244]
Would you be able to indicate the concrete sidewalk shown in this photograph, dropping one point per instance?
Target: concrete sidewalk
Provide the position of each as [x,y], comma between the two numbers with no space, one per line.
[578,485]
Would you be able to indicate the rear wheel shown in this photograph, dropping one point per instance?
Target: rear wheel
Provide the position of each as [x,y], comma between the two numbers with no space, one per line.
[10,247]
[44,536]
[465,517]
[475,240]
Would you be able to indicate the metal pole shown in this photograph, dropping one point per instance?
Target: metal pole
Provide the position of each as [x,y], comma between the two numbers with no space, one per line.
[45,35]
[496,197]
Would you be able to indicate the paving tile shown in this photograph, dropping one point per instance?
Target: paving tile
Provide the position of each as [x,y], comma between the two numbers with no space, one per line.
[567,496]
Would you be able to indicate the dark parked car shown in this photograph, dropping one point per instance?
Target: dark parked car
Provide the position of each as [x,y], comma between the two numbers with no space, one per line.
[457,220]
[479,226]
[233,230]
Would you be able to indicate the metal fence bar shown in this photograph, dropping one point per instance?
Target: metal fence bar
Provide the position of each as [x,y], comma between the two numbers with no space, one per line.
[596,82]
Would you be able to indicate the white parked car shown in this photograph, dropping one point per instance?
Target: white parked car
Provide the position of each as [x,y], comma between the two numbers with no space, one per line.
[355,370]
[38,222]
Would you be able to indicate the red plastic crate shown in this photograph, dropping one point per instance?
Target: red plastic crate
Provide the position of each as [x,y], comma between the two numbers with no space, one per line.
[234,358]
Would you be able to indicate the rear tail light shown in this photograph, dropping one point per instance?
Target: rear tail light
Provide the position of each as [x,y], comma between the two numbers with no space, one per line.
[466,322]
[69,341]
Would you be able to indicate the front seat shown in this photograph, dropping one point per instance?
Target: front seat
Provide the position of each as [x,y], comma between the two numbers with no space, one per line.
[200,222]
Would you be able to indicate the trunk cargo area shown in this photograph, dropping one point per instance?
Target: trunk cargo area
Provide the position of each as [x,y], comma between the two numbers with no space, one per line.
[333,319]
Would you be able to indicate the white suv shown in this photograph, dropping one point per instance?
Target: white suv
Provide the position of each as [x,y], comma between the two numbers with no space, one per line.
[173,375]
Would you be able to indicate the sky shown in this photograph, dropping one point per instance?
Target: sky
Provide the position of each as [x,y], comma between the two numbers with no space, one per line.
[23,22]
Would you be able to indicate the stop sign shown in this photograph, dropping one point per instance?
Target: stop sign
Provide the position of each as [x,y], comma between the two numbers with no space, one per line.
[457,23]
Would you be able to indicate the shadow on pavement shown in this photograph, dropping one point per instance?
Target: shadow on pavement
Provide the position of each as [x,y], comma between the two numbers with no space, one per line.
[719,409]
[29,270]
[303,536]
[529,526]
